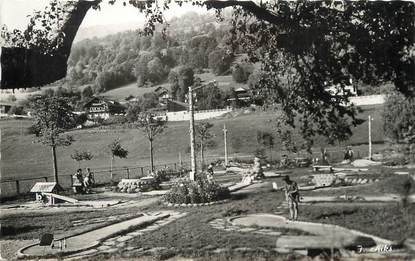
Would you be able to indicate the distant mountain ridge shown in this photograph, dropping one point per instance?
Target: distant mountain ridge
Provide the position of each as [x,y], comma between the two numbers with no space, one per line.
[99,31]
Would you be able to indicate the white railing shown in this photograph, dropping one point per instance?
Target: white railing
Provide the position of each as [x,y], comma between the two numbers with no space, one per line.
[368,100]
[199,115]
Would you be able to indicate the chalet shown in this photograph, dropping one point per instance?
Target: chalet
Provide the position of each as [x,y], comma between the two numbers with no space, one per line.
[99,107]
[163,94]
[241,97]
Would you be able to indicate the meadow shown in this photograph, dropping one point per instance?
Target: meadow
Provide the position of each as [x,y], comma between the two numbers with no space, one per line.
[23,157]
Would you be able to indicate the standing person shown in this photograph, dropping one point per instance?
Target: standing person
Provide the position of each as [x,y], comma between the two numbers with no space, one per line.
[351,153]
[90,175]
[210,172]
[89,180]
[78,181]
[292,196]
[210,169]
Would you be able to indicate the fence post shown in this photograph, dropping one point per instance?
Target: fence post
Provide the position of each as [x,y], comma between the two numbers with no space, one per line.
[71,179]
[17,187]
[128,173]
[142,172]
[175,167]
[46,179]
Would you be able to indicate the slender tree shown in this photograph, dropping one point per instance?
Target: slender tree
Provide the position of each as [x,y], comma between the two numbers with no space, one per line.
[116,150]
[266,139]
[52,116]
[204,134]
[152,126]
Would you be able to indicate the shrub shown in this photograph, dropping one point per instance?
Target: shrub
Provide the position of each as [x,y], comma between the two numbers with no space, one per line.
[161,175]
[201,190]
[81,118]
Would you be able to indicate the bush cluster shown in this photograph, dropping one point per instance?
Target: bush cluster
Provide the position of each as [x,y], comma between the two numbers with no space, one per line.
[161,175]
[201,190]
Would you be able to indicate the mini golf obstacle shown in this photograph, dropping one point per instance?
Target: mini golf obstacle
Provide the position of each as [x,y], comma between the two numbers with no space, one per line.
[46,193]
[43,191]
[323,168]
[137,185]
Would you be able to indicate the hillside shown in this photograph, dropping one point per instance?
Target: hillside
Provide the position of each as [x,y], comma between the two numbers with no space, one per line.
[193,40]
[225,82]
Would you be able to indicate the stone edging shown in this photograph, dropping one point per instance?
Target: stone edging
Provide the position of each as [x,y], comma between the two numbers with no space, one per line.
[21,255]
[167,204]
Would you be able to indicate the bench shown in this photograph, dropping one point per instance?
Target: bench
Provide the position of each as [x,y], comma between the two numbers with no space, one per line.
[322,167]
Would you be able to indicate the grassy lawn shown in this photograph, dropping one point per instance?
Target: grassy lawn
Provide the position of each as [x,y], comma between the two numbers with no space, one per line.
[131,89]
[192,235]
[18,146]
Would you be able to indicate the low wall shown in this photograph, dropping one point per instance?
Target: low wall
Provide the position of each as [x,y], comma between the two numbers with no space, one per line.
[199,115]
[367,100]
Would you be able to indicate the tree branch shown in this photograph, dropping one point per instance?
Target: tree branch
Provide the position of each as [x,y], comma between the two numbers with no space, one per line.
[258,11]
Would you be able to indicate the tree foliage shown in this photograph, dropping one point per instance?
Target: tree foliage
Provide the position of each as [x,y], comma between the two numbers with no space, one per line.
[306,46]
[117,150]
[152,126]
[241,72]
[399,118]
[52,116]
[205,135]
[210,97]
[220,61]
[79,156]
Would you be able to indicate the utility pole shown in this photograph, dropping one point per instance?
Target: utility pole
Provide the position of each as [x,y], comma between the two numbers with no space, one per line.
[192,129]
[225,132]
[192,135]
[370,137]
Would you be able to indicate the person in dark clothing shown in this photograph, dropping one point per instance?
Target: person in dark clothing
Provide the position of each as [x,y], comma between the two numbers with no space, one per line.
[292,196]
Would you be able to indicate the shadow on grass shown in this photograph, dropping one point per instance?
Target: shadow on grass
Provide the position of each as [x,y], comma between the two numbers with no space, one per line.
[239,196]
[336,214]
[13,231]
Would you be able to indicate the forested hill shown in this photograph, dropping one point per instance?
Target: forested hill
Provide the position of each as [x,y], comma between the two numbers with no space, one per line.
[193,40]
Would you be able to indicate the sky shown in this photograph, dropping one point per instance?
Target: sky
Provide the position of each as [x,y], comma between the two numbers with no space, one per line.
[13,13]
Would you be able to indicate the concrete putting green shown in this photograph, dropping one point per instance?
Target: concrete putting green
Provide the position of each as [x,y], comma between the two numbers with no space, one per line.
[91,239]
[321,236]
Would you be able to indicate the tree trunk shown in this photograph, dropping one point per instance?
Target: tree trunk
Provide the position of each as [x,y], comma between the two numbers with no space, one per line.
[55,165]
[151,156]
[202,156]
[112,159]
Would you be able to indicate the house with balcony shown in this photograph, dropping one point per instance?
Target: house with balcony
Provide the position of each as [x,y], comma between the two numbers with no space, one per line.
[103,108]
[163,95]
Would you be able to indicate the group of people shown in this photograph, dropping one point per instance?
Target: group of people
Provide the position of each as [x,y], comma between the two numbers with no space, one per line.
[81,183]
